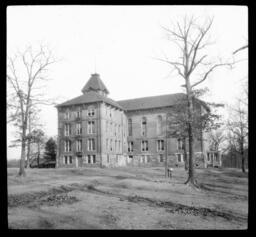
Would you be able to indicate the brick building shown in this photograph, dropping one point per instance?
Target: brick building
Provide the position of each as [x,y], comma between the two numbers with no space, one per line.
[94,130]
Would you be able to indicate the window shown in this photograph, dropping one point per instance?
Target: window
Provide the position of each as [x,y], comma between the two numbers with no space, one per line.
[67,146]
[144,127]
[144,159]
[208,157]
[130,159]
[67,130]
[179,144]
[111,147]
[67,160]
[107,145]
[130,146]
[144,146]
[130,127]
[107,158]
[160,145]
[110,128]
[78,114]
[78,145]
[91,127]
[119,146]
[159,125]
[115,129]
[179,157]
[106,126]
[91,144]
[91,112]
[78,129]
[67,115]
[91,159]
[161,158]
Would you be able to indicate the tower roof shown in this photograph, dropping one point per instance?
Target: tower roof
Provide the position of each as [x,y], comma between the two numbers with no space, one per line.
[95,84]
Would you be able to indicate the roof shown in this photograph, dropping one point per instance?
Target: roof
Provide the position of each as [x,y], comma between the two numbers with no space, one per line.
[151,102]
[90,97]
[95,83]
[155,102]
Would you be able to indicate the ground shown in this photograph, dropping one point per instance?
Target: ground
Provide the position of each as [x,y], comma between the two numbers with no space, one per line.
[126,198]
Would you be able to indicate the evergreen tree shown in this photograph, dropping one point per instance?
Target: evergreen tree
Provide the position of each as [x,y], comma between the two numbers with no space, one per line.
[50,150]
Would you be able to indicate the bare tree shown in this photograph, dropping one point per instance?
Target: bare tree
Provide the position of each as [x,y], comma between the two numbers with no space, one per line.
[240,49]
[216,137]
[33,124]
[237,125]
[26,75]
[190,38]
[37,137]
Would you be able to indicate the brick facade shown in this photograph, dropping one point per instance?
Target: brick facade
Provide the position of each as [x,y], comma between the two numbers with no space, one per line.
[110,135]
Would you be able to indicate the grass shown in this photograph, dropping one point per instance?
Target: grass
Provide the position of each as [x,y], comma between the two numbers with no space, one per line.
[126,198]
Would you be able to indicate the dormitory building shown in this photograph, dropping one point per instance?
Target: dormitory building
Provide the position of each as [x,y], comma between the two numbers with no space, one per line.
[94,130]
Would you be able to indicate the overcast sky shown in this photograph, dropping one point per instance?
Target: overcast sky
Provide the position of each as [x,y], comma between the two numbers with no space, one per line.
[120,43]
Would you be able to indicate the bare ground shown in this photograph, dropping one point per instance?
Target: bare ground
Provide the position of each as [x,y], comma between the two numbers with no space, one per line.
[126,198]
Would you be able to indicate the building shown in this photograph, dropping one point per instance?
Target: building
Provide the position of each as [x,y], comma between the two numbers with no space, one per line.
[94,130]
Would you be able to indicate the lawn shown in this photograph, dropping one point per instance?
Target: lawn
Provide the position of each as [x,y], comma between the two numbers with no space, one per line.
[126,198]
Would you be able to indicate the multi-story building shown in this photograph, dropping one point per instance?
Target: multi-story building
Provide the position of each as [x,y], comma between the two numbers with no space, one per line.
[94,130]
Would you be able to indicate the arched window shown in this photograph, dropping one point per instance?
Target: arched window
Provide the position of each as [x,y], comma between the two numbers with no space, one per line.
[130,127]
[159,125]
[144,126]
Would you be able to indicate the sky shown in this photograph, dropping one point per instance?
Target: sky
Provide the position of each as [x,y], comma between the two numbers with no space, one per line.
[121,43]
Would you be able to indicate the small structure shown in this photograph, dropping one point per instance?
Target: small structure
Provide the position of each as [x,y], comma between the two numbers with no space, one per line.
[43,163]
[214,159]
[170,171]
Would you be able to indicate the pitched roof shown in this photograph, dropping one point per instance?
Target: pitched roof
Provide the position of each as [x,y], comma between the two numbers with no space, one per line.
[152,101]
[90,97]
[95,83]
[156,102]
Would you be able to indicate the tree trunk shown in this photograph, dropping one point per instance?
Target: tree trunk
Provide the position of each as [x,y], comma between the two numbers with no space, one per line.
[22,158]
[243,158]
[185,154]
[191,180]
[38,155]
[166,151]
[28,156]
